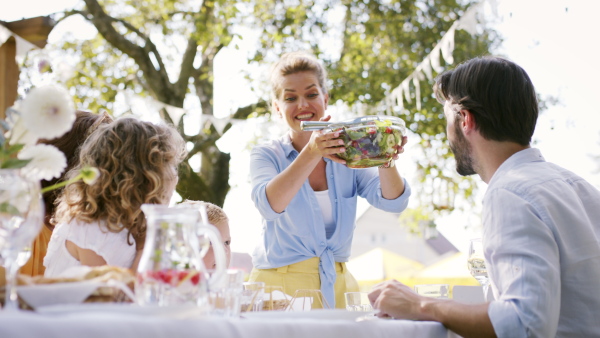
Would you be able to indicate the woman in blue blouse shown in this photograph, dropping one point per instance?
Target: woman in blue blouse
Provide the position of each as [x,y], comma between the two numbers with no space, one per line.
[306,195]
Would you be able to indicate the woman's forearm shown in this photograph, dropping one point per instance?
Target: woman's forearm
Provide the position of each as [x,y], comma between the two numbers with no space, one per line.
[283,187]
[392,184]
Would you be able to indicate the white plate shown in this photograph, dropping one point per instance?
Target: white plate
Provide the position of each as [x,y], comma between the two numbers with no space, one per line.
[58,293]
[337,314]
[183,311]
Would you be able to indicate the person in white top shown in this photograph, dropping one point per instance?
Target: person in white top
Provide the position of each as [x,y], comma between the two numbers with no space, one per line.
[102,223]
[541,223]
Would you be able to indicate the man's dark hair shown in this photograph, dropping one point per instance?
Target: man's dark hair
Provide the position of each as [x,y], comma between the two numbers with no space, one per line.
[497,92]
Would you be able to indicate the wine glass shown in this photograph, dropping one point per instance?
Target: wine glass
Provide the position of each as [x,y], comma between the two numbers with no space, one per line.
[275,298]
[307,300]
[476,265]
[358,301]
[21,218]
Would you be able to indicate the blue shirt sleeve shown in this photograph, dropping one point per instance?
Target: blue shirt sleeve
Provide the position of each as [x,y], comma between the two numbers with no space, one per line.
[524,266]
[369,187]
[264,166]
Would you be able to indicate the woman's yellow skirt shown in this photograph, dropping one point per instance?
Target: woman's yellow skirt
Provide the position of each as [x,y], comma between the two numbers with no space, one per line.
[305,275]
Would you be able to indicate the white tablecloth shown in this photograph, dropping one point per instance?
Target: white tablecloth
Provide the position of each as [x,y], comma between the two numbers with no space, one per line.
[96,324]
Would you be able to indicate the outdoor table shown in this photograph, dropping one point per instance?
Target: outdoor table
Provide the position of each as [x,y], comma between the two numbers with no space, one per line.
[116,324]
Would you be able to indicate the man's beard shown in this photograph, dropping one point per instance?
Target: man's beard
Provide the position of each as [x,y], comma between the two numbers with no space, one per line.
[462,153]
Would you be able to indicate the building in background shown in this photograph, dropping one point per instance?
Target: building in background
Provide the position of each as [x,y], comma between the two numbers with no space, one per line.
[384,249]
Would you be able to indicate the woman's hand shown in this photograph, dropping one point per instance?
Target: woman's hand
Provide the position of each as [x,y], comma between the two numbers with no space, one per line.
[400,147]
[326,144]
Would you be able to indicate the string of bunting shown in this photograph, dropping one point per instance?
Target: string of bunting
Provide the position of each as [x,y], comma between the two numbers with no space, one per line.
[23,46]
[431,62]
[395,98]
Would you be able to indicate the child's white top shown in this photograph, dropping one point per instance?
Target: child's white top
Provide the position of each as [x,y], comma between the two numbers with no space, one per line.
[112,246]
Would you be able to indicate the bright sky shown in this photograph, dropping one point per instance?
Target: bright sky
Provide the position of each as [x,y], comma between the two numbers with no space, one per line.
[557,47]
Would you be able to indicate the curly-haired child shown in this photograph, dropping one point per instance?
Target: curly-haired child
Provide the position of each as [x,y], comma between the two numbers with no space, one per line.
[102,223]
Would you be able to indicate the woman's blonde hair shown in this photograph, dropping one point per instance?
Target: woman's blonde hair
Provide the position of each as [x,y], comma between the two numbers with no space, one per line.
[136,160]
[292,63]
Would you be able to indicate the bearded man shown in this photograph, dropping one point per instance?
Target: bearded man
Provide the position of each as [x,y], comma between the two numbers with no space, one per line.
[541,223]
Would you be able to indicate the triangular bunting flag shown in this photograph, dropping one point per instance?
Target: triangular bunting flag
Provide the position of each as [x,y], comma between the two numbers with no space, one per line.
[435,59]
[175,113]
[468,21]
[426,66]
[399,98]
[5,34]
[417,92]
[406,90]
[447,45]
[220,123]
[23,46]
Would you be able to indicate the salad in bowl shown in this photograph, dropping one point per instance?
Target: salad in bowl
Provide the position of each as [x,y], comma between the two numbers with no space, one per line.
[370,141]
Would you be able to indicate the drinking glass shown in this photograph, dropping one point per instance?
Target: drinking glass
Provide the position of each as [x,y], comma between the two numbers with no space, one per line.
[476,265]
[439,291]
[252,296]
[308,299]
[21,218]
[275,299]
[358,301]
[226,298]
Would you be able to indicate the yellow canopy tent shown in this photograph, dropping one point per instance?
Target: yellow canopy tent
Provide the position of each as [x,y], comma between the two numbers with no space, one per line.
[450,270]
[380,264]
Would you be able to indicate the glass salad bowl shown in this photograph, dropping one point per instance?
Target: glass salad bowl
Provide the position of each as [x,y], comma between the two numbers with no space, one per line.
[370,141]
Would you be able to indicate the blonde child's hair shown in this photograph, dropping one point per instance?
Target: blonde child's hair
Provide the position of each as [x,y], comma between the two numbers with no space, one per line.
[215,214]
[136,160]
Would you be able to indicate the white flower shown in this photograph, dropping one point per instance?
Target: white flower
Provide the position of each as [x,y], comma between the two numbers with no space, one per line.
[48,111]
[47,162]
[44,66]
[19,134]
[89,175]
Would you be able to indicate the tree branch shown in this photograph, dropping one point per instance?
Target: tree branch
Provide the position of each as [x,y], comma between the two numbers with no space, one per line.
[187,65]
[103,23]
[204,78]
[71,13]
[156,79]
[201,142]
[261,107]
[347,18]
[130,27]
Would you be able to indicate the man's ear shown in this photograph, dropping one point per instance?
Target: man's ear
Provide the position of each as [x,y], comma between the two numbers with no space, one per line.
[467,121]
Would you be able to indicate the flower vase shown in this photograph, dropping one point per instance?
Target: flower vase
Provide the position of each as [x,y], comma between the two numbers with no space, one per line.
[21,219]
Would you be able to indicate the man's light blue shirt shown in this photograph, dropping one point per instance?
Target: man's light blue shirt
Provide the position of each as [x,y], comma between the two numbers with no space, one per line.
[298,233]
[542,242]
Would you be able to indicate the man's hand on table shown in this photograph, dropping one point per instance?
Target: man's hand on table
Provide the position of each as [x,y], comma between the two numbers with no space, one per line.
[396,300]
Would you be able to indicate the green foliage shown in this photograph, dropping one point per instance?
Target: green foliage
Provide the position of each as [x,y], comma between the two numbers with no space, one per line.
[7,208]
[417,220]
[383,43]
[368,46]
[102,73]
[9,152]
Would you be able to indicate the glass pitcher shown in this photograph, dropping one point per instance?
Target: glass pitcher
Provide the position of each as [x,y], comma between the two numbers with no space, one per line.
[171,271]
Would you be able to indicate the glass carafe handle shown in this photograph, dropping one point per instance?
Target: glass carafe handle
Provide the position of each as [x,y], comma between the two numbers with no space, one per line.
[218,277]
